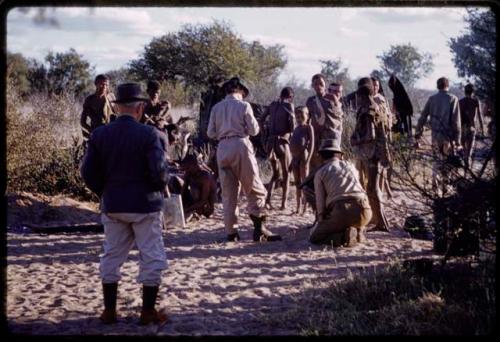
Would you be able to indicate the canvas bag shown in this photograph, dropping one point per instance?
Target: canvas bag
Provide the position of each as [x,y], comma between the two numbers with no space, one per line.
[173,212]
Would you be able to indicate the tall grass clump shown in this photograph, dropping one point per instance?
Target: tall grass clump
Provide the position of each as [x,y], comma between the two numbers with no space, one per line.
[404,298]
[44,144]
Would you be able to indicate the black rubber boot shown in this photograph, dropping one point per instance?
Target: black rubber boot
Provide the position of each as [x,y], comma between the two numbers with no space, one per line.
[149,313]
[260,233]
[110,292]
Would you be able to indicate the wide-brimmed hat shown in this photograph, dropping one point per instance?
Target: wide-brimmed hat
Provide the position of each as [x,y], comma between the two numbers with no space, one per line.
[129,92]
[236,82]
[330,145]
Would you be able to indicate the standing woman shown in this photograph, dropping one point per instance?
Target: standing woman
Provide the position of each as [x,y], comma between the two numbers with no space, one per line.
[369,143]
[380,100]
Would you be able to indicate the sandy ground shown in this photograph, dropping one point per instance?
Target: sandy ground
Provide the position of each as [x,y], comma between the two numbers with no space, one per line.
[210,288]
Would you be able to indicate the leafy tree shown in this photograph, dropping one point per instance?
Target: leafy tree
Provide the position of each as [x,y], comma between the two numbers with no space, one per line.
[475,51]
[68,71]
[197,52]
[407,63]
[334,71]
[18,70]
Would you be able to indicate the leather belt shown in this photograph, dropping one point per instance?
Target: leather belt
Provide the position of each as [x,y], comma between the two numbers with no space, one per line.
[230,136]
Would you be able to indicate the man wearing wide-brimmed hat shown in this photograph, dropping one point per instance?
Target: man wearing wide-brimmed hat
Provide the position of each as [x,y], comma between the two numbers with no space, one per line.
[125,166]
[231,123]
[343,209]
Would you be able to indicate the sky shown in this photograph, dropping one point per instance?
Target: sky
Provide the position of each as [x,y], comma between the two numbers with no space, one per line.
[110,37]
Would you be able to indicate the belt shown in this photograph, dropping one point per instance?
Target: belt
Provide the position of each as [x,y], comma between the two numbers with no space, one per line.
[230,136]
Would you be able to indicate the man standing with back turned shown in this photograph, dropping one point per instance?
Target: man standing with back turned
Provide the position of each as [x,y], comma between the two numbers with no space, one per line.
[444,112]
[231,123]
[125,165]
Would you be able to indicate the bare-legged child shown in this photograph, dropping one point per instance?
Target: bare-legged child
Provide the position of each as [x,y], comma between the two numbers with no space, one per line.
[281,122]
[301,147]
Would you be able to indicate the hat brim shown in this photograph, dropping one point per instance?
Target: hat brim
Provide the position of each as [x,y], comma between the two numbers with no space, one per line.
[241,85]
[131,99]
[332,149]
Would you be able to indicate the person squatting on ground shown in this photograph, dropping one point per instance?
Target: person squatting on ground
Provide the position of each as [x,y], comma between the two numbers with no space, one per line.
[341,202]
[156,111]
[369,143]
[97,107]
[325,114]
[281,124]
[125,166]
[301,147]
[470,109]
[444,112]
[231,122]
[199,189]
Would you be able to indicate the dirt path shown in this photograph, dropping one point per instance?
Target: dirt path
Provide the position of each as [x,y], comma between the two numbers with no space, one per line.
[210,288]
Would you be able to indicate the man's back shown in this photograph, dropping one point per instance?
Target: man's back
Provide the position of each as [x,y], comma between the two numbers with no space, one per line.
[281,118]
[340,180]
[232,117]
[469,107]
[126,160]
[444,116]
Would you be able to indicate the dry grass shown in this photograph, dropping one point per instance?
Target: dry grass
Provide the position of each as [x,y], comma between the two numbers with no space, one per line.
[400,299]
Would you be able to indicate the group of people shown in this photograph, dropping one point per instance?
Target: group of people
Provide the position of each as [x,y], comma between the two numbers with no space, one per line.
[127,166]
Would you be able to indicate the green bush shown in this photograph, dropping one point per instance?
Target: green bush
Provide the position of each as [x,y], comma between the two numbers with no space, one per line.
[44,144]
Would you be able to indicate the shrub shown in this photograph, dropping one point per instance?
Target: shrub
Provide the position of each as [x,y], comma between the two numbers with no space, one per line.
[44,144]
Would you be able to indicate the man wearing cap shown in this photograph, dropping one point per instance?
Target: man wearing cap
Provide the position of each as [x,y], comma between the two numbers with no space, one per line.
[231,123]
[97,107]
[125,166]
[343,209]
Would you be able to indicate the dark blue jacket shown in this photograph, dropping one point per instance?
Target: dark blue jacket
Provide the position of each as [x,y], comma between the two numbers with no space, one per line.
[126,166]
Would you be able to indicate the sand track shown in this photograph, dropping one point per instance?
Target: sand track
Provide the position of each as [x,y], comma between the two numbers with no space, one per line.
[210,288]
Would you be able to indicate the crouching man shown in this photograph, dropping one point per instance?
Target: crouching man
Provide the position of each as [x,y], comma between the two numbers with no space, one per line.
[343,209]
[125,165]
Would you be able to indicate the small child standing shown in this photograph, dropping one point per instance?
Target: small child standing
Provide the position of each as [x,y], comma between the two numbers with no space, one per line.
[301,147]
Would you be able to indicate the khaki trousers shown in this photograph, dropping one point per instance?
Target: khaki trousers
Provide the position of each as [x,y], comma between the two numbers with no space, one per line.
[124,230]
[238,167]
[344,214]
[440,151]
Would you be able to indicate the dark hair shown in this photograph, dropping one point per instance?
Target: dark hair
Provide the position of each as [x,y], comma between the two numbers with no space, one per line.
[335,84]
[442,83]
[365,87]
[153,85]
[101,77]
[380,89]
[171,127]
[469,89]
[190,159]
[327,154]
[318,76]
[286,92]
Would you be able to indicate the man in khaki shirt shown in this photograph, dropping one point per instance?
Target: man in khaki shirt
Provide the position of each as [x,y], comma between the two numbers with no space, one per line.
[343,209]
[231,123]
[97,107]
[444,112]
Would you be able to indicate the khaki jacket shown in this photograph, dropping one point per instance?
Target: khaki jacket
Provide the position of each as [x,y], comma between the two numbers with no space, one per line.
[336,180]
[232,117]
[444,113]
